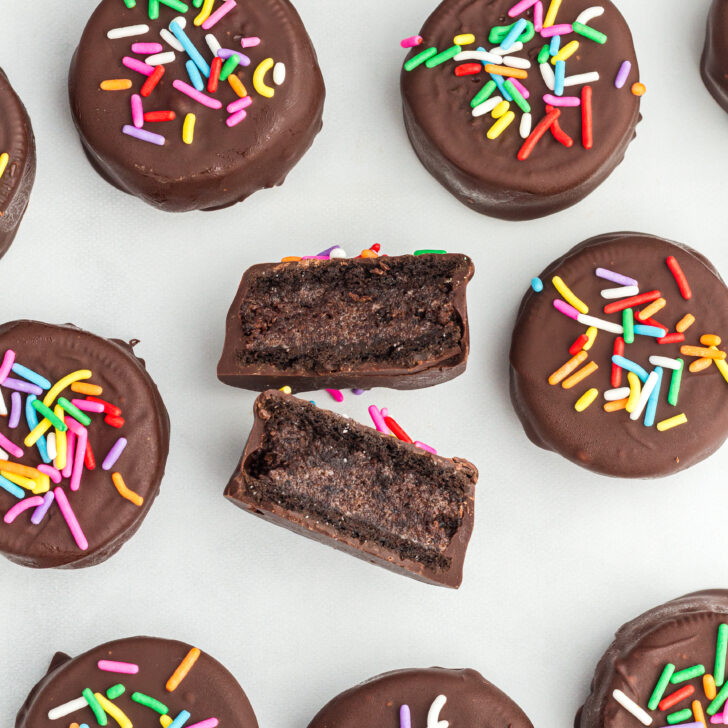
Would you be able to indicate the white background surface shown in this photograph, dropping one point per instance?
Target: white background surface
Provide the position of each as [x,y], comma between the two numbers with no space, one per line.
[559,557]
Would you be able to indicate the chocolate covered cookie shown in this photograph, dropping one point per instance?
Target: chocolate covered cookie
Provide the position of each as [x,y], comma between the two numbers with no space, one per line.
[422,698]
[195,105]
[665,667]
[393,503]
[521,109]
[714,63]
[137,681]
[617,360]
[17,162]
[84,437]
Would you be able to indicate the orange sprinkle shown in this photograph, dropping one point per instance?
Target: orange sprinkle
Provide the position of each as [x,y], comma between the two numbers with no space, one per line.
[506,71]
[368,254]
[124,492]
[115,84]
[698,712]
[581,375]
[685,323]
[709,687]
[615,405]
[183,668]
[237,85]
[652,309]
[639,89]
[570,366]
[18,469]
[74,725]
[290,259]
[700,351]
[710,340]
[699,364]
[94,390]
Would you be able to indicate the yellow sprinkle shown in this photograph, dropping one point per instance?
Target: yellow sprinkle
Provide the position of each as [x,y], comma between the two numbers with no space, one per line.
[563,371]
[550,18]
[699,364]
[4,159]
[285,390]
[37,432]
[568,295]
[685,323]
[43,485]
[61,384]
[582,374]
[124,492]
[698,712]
[114,711]
[188,129]
[722,366]
[709,686]
[93,390]
[710,340]
[671,422]
[204,13]
[463,39]
[566,52]
[591,335]
[61,441]
[165,720]
[635,387]
[495,131]
[258,78]
[20,480]
[500,110]
[651,309]
[182,669]
[237,85]
[586,399]
[115,84]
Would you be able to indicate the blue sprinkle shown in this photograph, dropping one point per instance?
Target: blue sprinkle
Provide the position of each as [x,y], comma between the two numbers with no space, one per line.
[32,417]
[630,366]
[189,47]
[31,376]
[514,33]
[11,488]
[195,77]
[537,284]
[180,720]
[559,76]
[500,83]
[651,408]
[555,45]
[643,330]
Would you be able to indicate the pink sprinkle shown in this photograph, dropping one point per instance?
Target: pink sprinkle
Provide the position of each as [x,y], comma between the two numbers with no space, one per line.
[717,718]
[562,100]
[422,446]
[193,93]
[250,41]
[520,7]
[209,723]
[236,118]
[378,420]
[564,308]
[21,506]
[336,394]
[223,10]
[71,520]
[243,103]
[81,441]
[551,31]
[11,447]
[70,452]
[7,365]
[53,473]
[85,406]
[125,668]
[137,65]
[146,49]
[538,16]
[137,111]
[411,42]
[315,257]
[520,87]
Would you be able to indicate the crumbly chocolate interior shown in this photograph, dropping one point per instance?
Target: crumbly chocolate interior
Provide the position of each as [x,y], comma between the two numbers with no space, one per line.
[365,486]
[335,315]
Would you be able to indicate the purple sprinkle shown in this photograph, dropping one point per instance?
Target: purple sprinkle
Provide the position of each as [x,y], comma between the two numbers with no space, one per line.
[15,410]
[20,386]
[358,391]
[145,136]
[40,512]
[116,449]
[327,252]
[405,720]
[610,275]
[622,74]
[226,53]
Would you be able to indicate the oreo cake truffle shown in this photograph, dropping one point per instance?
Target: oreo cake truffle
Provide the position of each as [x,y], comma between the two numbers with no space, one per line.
[137,681]
[84,437]
[616,358]
[387,500]
[195,105]
[330,322]
[667,666]
[714,64]
[17,162]
[422,698]
[521,108]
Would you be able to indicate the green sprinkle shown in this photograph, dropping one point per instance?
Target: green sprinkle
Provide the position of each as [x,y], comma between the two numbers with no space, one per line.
[430,252]
[50,415]
[523,105]
[130,4]
[687,674]
[590,33]
[628,324]
[672,399]
[544,55]
[720,649]
[149,702]
[153,9]
[198,3]
[94,704]
[680,716]
[718,701]
[419,59]
[115,691]
[446,55]
[661,686]
[229,66]
[177,5]
[74,411]
[501,31]
[484,93]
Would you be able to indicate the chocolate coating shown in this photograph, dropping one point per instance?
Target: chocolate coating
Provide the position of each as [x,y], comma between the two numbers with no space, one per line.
[16,138]
[223,165]
[611,443]
[208,690]
[471,701]
[346,323]
[107,519]
[682,631]
[486,175]
[714,63]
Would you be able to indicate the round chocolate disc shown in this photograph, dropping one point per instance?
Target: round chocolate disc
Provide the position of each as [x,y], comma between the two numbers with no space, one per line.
[219,147]
[61,505]
[449,134]
[714,64]
[623,440]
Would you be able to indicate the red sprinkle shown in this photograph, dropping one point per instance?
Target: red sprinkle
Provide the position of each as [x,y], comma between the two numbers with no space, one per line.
[578,345]
[152,81]
[632,301]
[160,116]
[539,130]
[680,279]
[89,458]
[674,338]
[587,128]
[468,69]
[376,247]
[114,421]
[396,430]
[674,698]
[214,79]
[617,370]
[558,133]
[109,408]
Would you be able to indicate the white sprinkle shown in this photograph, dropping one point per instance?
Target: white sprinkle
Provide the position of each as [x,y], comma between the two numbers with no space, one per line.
[621,292]
[525,129]
[433,714]
[547,73]
[515,62]
[67,708]
[478,56]
[4,455]
[629,705]
[279,73]
[127,31]
[337,253]
[599,323]
[213,43]
[612,395]
[181,21]
[664,361]
[487,106]
[591,77]
[647,388]
[586,16]
[51,446]
[517,46]
[3,408]
[171,40]
[159,59]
